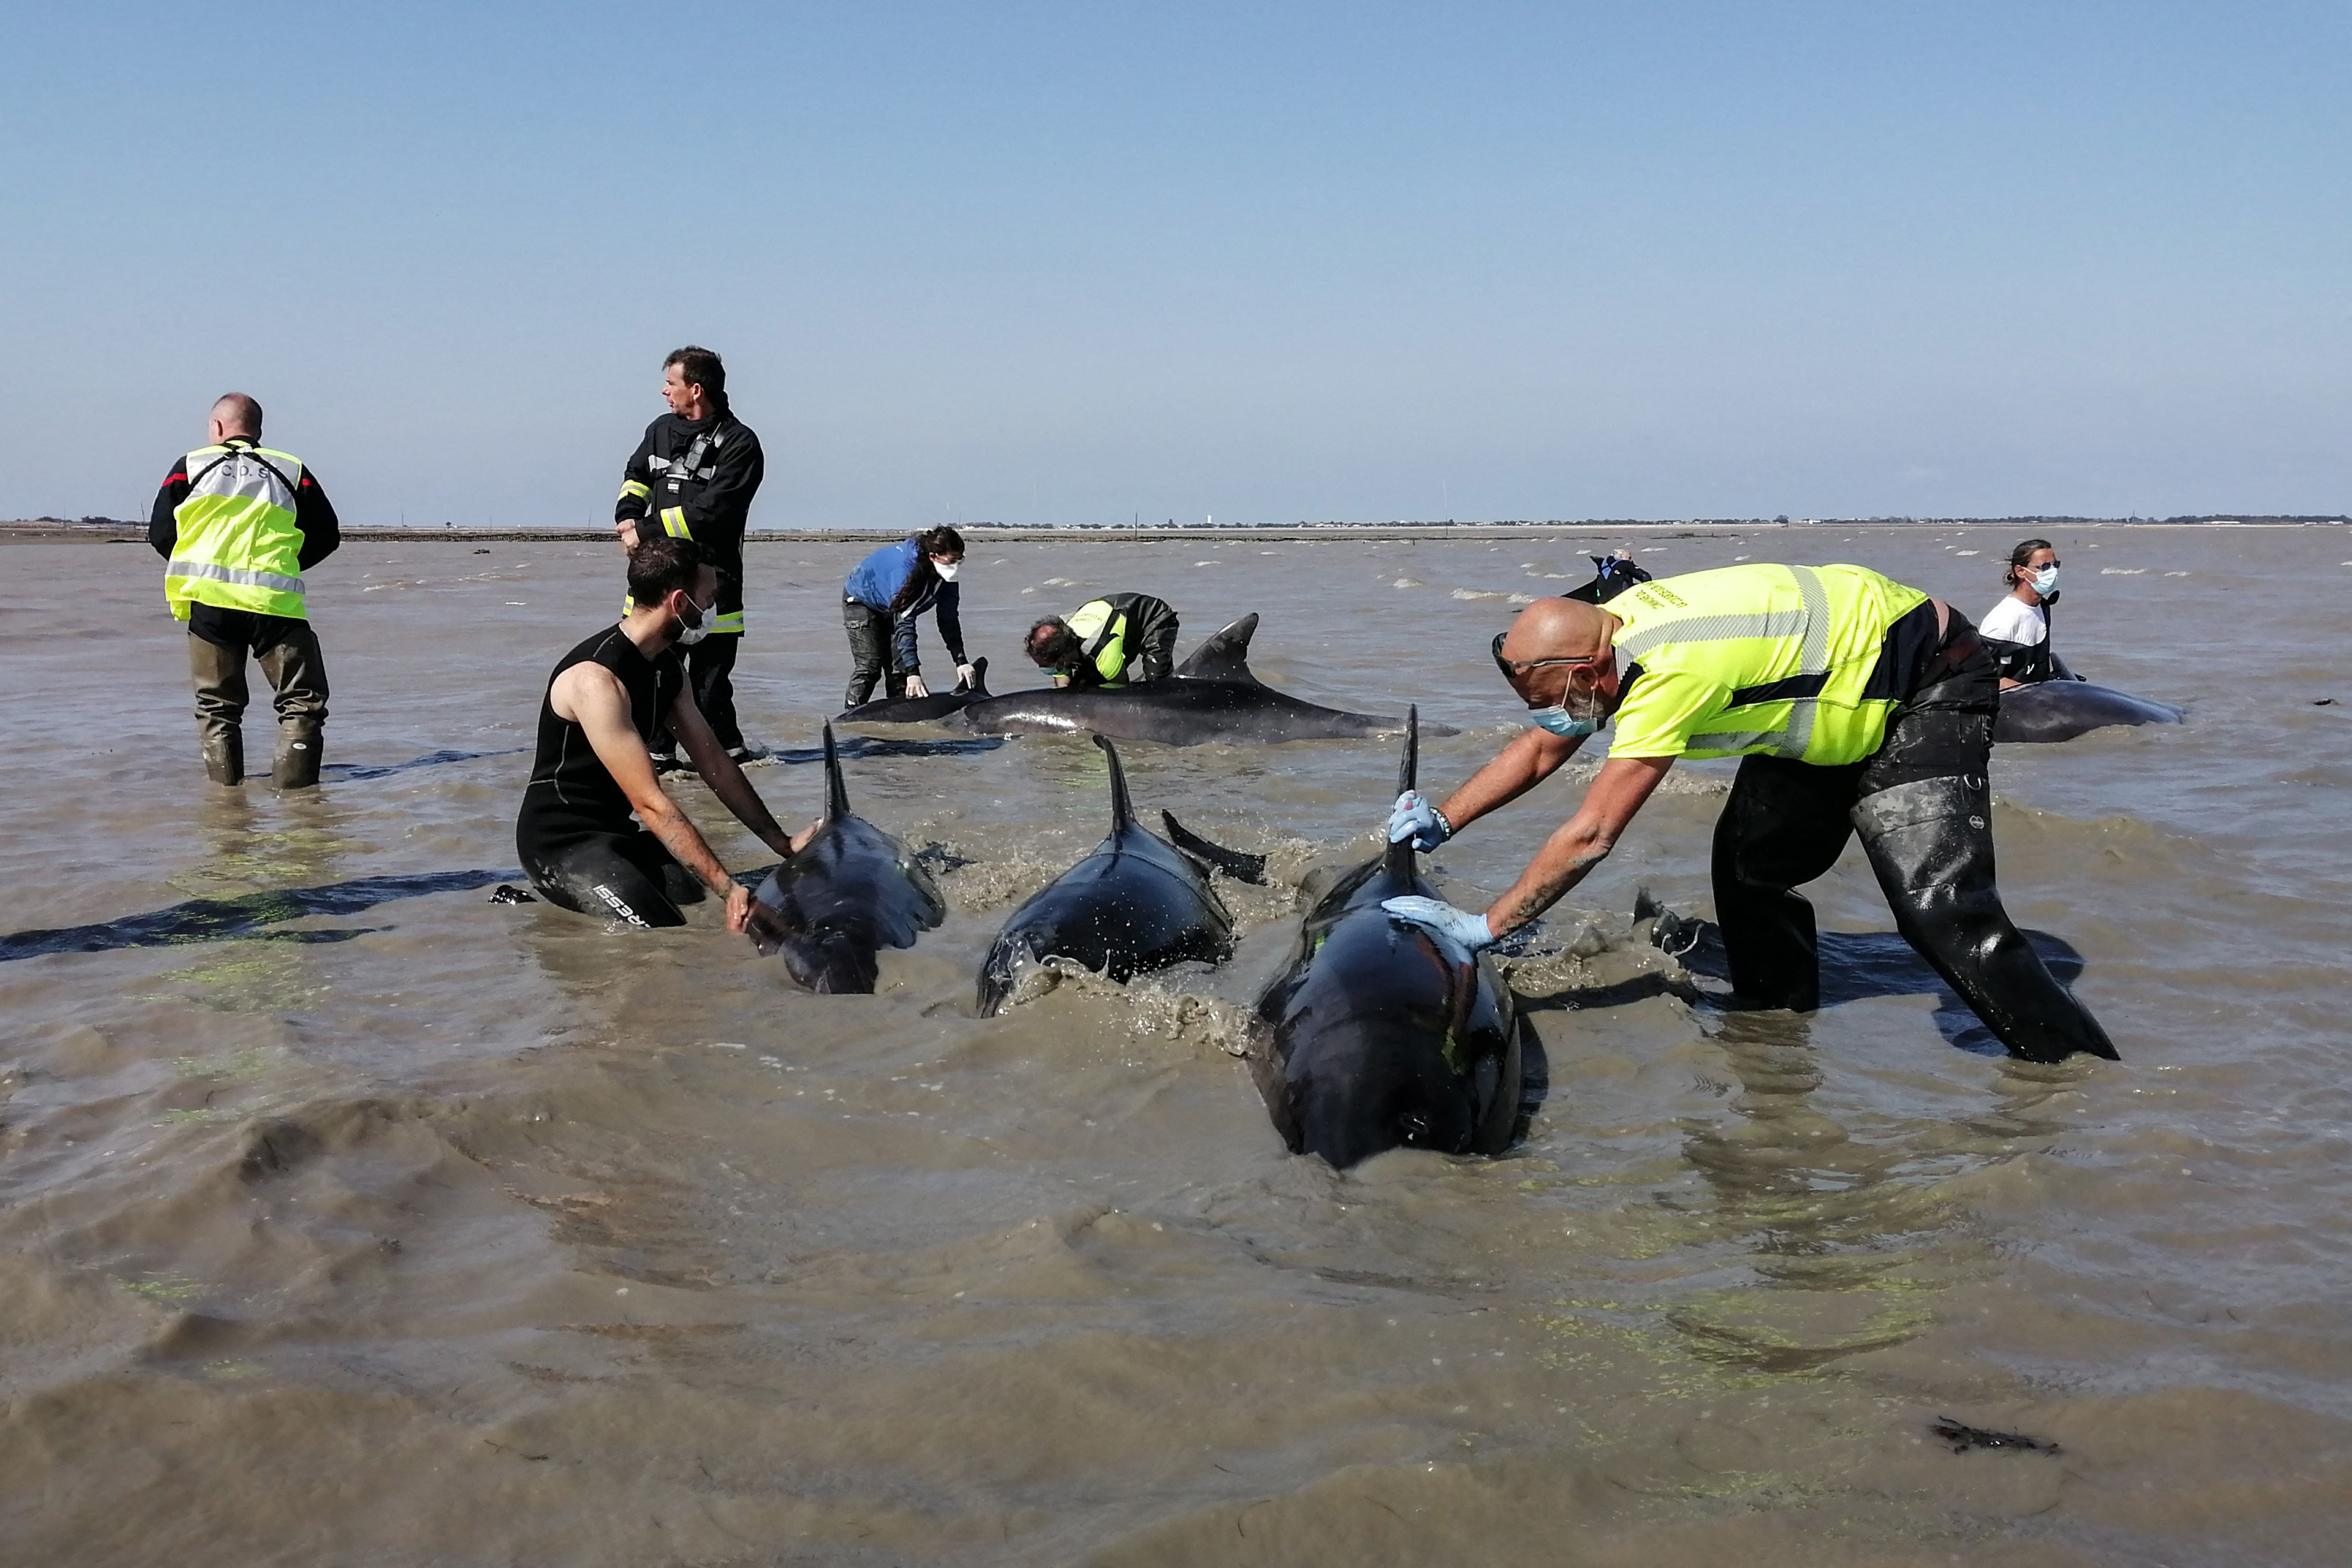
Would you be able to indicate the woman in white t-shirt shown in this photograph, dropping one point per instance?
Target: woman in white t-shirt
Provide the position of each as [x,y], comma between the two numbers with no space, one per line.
[2017,629]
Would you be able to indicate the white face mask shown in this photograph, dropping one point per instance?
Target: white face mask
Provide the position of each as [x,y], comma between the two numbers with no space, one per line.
[703,616]
[946,569]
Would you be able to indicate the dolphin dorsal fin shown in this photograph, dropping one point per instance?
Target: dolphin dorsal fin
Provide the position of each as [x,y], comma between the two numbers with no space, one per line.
[837,794]
[1122,810]
[1225,656]
[978,685]
[1400,856]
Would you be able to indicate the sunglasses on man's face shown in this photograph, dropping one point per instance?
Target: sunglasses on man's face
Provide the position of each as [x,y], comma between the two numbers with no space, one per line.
[1514,668]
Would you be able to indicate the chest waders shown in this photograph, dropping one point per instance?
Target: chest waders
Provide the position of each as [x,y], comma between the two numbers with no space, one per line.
[1922,809]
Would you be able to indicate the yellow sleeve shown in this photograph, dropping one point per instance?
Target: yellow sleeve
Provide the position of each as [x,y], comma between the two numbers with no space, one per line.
[1662,711]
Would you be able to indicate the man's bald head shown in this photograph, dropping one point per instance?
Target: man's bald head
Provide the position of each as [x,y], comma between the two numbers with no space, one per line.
[1557,628]
[235,414]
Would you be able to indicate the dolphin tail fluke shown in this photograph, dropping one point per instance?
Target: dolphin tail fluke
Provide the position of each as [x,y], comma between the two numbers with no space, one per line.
[1400,856]
[1122,810]
[837,794]
[1233,863]
[1225,656]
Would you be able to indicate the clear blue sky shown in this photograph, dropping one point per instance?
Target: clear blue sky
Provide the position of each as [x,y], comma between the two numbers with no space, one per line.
[1063,263]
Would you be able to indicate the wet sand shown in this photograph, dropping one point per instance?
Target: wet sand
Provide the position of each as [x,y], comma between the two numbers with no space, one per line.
[378,1224]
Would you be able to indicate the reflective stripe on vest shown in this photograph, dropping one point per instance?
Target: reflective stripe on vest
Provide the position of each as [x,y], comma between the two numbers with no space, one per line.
[238,546]
[1791,648]
[1101,631]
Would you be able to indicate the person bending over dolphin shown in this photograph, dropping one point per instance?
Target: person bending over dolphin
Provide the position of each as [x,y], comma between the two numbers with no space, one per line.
[1117,640]
[605,698]
[1855,703]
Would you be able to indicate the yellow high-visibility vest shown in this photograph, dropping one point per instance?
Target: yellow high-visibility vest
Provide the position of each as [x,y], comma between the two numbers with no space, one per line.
[1757,659]
[240,548]
[1100,627]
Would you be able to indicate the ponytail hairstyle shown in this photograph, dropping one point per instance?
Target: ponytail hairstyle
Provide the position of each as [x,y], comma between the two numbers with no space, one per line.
[2021,555]
[929,542]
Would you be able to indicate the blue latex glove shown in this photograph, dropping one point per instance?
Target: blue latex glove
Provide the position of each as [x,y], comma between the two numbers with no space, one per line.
[1414,819]
[1466,929]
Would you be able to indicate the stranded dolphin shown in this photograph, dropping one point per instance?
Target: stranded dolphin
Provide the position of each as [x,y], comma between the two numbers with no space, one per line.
[1134,905]
[851,890]
[917,710]
[2062,710]
[1211,696]
[1381,1033]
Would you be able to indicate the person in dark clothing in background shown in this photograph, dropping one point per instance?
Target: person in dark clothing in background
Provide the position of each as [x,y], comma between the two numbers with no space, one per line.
[880,602]
[238,524]
[592,771]
[693,477]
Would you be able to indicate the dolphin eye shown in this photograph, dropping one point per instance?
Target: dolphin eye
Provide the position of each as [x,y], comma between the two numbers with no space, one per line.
[1415,1126]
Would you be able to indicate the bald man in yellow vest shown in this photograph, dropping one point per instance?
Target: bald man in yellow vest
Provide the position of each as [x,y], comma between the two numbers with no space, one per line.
[1856,704]
[237,524]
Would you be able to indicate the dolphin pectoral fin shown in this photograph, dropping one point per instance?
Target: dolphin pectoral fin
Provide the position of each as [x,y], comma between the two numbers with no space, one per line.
[1233,863]
[1225,655]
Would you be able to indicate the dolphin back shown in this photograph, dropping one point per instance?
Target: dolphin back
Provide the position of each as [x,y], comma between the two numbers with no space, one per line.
[2053,710]
[851,890]
[919,710]
[1381,1035]
[1211,697]
[1134,905]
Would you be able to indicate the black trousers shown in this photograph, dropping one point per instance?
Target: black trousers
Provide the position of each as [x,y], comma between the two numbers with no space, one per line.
[1924,810]
[870,653]
[711,676]
[626,876]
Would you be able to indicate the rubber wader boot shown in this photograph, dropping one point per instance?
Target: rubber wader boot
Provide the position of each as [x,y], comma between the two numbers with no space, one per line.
[223,744]
[299,744]
[219,674]
[1930,843]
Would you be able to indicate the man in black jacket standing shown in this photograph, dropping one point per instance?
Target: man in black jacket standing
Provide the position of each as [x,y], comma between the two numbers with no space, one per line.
[693,477]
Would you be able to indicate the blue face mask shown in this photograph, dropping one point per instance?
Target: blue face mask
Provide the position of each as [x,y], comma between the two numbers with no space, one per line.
[2045,582]
[1556,719]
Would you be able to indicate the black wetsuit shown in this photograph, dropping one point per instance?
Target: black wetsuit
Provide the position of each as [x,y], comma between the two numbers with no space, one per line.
[580,844]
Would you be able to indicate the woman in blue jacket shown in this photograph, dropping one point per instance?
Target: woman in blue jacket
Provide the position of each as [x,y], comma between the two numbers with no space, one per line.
[879,603]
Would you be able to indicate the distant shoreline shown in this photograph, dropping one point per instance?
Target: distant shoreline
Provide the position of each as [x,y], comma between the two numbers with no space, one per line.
[54,531]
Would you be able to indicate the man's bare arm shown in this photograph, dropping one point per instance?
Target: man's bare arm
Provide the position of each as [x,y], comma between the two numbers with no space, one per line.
[1582,842]
[725,776]
[1526,762]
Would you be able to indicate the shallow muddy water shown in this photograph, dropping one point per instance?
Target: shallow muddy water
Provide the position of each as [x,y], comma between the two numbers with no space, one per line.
[349,1217]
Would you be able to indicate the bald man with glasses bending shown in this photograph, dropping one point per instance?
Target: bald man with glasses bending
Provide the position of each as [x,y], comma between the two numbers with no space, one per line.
[1854,704]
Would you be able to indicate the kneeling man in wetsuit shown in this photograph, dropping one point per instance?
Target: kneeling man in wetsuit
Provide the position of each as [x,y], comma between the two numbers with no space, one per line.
[1855,703]
[606,698]
[1119,639]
